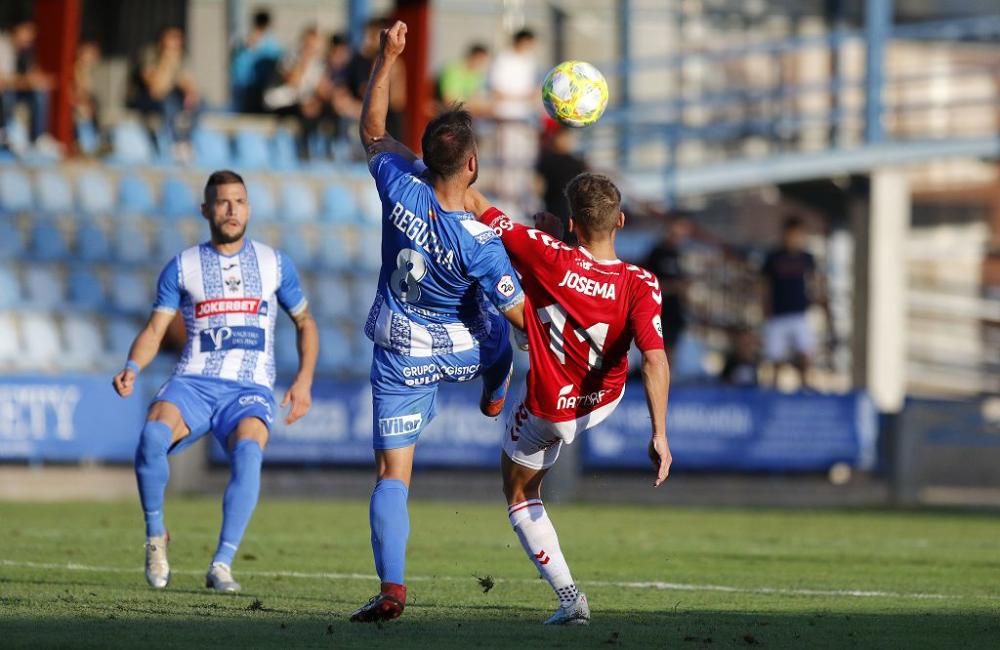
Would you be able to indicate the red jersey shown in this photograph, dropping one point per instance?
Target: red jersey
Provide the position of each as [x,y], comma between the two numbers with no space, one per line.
[581,316]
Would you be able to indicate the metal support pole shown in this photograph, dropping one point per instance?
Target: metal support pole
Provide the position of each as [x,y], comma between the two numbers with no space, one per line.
[878,25]
[837,23]
[624,22]
[357,16]
[56,48]
[558,33]
[416,14]
[237,22]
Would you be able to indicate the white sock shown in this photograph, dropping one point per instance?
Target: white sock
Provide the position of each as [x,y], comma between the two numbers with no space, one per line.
[540,542]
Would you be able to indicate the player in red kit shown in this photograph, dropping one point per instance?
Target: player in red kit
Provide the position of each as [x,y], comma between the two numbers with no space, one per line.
[583,309]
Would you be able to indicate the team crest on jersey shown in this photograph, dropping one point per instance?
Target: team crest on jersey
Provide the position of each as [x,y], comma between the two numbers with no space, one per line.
[233,283]
[506,286]
[585,264]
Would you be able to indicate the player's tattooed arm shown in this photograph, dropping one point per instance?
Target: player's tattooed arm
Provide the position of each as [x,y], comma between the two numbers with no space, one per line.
[143,351]
[376,103]
[656,381]
[299,394]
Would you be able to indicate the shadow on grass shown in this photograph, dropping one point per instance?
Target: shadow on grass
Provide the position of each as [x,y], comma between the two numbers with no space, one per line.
[457,627]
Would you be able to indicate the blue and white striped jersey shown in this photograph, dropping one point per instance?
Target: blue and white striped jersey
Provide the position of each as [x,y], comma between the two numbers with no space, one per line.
[229,304]
[441,271]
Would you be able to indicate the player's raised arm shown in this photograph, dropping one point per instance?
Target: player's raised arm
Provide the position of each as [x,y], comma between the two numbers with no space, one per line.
[656,381]
[375,107]
[143,351]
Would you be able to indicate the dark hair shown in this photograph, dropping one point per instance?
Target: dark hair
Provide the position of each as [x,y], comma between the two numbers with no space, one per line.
[523,35]
[476,49]
[378,22]
[594,202]
[223,177]
[447,141]
[262,19]
[338,39]
[792,222]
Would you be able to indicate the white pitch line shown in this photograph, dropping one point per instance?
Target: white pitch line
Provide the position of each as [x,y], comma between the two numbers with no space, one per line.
[661,586]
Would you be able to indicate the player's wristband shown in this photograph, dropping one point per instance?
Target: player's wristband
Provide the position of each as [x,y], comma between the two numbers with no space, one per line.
[489,215]
[133,366]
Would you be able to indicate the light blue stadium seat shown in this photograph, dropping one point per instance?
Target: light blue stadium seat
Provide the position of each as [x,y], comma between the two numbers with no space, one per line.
[361,353]
[84,343]
[11,239]
[43,288]
[92,243]
[10,347]
[339,205]
[131,244]
[298,203]
[177,199]
[297,245]
[252,151]
[131,144]
[370,204]
[335,354]
[41,347]
[362,292]
[95,195]
[369,251]
[211,148]
[55,195]
[286,346]
[15,191]
[131,293]
[170,241]
[10,288]
[86,292]
[330,302]
[135,198]
[332,252]
[47,242]
[262,204]
[121,332]
[284,156]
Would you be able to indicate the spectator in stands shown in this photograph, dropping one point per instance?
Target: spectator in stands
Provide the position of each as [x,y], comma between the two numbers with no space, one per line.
[301,75]
[666,262]
[356,75]
[332,90]
[22,81]
[557,165]
[515,94]
[162,86]
[742,360]
[84,97]
[790,286]
[463,81]
[255,61]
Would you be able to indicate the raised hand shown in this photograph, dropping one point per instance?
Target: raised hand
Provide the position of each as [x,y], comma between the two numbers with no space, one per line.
[393,40]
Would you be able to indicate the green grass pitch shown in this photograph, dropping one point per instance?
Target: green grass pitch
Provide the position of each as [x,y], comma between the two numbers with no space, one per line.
[70,576]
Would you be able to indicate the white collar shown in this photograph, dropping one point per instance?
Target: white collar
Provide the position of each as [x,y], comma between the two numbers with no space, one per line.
[591,256]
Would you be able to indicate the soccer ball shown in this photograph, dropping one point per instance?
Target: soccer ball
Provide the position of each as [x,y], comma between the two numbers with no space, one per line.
[575,93]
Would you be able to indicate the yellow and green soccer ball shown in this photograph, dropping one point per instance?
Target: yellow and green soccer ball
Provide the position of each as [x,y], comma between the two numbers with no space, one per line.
[575,93]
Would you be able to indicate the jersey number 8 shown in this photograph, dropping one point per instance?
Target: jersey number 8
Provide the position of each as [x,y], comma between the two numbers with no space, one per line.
[410,270]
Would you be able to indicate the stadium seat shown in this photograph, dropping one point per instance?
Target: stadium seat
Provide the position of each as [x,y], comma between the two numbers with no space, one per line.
[286,351]
[47,242]
[177,199]
[252,150]
[131,144]
[86,292]
[131,244]
[262,203]
[332,253]
[335,355]
[368,255]
[169,241]
[95,196]
[297,244]
[362,293]
[284,155]
[329,300]
[121,333]
[135,198]
[41,348]
[10,349]
[339,205]
[130,293]
[43,288]
[54,193]
[92,243]
[211,148]
[84,343]
[370,204]
[298,203]
[15,191]
[10,288]
[11,239]
[361,353]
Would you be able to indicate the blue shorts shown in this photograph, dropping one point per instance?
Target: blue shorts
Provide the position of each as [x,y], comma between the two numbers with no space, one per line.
[404,388]
[216,405]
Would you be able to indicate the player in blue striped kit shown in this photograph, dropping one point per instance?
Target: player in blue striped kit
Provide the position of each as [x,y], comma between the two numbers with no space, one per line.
[228,290]
[444,291]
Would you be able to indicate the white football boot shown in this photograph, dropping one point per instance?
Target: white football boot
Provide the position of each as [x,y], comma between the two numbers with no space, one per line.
[157,566]
[576,613]
[220,578]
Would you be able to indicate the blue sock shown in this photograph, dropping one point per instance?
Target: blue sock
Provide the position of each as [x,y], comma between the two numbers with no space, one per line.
[152,473]
[241,498]
[495,377]
[390,522]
